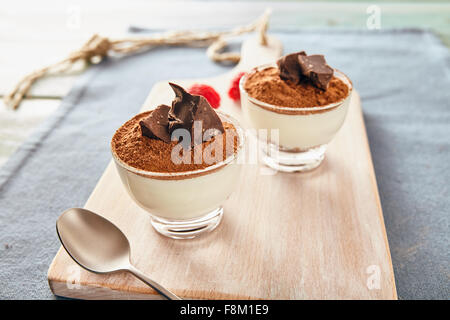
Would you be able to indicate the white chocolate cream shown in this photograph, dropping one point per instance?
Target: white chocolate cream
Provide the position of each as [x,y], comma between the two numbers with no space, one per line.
[299,128]
[181,199]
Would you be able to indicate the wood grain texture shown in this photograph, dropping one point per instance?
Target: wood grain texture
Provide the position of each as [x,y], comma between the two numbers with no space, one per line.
[283,236]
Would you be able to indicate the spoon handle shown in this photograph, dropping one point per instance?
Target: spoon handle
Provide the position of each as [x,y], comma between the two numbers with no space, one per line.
[160,289]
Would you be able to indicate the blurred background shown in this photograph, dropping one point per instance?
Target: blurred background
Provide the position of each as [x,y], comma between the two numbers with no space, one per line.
[37,33]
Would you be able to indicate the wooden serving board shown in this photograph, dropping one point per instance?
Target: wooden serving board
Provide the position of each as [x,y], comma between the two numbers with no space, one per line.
[316,235]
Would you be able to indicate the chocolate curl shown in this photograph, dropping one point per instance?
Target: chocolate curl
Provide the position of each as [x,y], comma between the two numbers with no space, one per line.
[298,66]
[289,67]
[188,108]
[156,125]
[316,69]
[185,111]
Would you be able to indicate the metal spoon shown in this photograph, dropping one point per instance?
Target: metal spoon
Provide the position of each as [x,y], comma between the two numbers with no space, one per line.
[97,245]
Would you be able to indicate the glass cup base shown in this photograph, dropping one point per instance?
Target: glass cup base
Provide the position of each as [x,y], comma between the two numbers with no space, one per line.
[188,229]
[293,161]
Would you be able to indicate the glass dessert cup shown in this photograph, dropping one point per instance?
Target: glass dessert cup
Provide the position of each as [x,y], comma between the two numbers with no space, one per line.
[184,205]
[301,135]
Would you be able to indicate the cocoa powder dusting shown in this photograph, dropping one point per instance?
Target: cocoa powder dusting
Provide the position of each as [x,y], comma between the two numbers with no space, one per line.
[154,155]
[267,86]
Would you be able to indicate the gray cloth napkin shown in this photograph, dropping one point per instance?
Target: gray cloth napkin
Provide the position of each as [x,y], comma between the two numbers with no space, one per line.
[403,78]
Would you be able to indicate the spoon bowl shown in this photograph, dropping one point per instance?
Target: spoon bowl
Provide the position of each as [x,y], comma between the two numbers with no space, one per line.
[98,245]
[92,241]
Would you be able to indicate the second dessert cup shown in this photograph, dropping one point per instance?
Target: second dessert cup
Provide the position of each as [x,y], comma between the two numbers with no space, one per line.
[302,133]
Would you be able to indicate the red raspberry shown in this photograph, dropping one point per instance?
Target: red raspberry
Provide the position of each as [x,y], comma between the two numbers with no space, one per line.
[208,92]
[233,92]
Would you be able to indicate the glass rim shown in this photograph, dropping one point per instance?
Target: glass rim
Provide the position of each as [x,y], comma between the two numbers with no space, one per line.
[340,75]
[195,172]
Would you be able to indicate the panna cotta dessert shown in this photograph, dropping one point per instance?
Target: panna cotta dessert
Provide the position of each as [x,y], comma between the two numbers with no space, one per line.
[301,102]
[179,163]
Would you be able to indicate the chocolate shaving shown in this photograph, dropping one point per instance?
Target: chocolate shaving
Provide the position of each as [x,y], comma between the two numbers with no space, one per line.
[186,108]
[316,69]
[183,108]
[289,67]
[155,126]
[209,118]
[298,67]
